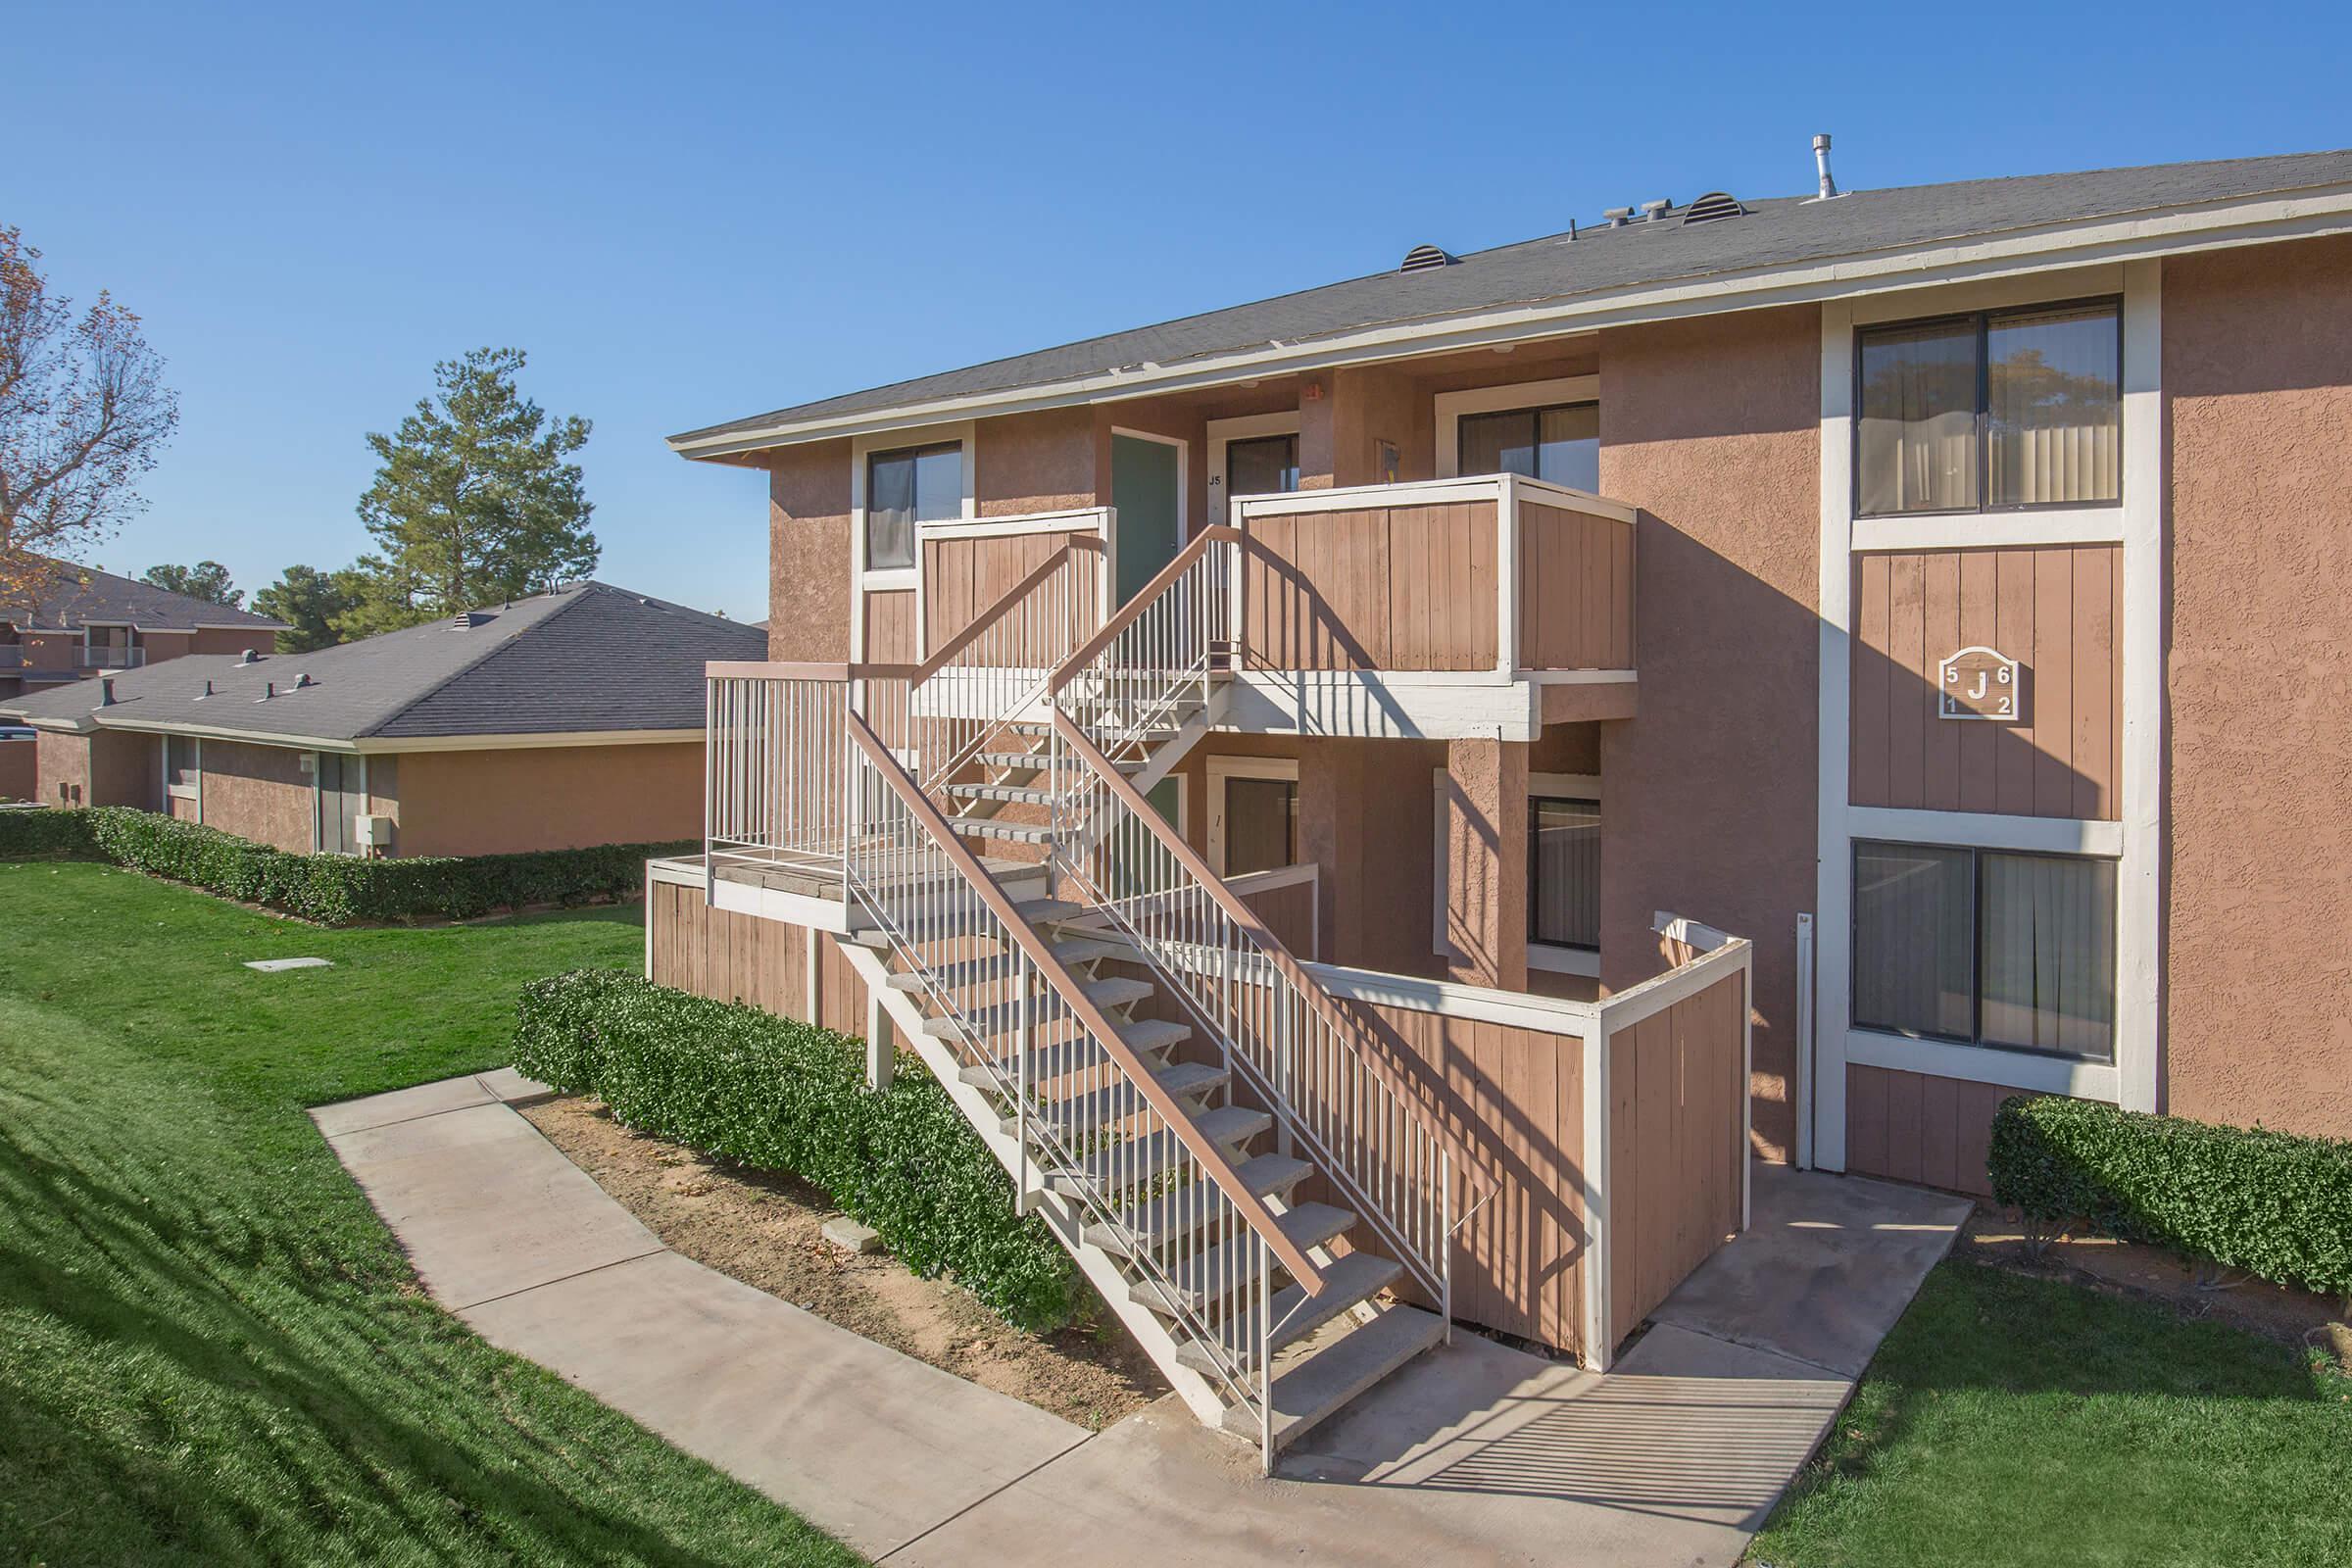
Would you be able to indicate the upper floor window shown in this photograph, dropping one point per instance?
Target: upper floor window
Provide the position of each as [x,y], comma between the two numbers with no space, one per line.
[1560,445]
[917,485]
[1261,465]
[1992,412]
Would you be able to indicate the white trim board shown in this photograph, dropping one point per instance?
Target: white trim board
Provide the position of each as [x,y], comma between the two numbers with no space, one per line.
[2062,245]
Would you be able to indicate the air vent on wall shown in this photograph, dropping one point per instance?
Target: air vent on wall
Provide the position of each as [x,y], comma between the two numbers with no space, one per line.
[1425,259]
[1713,205]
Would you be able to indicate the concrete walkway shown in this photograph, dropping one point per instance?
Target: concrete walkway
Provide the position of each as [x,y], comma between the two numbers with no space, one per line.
[1473,1454]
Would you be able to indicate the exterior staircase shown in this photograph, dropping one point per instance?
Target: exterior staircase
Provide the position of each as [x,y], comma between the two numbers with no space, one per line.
[1242,1180]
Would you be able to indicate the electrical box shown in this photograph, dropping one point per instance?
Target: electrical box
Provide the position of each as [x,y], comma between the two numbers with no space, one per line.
[372,832]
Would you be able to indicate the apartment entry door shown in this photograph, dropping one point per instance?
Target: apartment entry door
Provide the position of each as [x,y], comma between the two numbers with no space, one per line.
[1146,487]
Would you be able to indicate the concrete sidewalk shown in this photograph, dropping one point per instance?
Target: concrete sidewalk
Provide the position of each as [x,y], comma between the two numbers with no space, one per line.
[1475,1453]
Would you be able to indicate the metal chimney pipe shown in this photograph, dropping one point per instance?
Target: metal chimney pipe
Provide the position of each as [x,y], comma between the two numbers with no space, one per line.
[1821,162]
[106,691]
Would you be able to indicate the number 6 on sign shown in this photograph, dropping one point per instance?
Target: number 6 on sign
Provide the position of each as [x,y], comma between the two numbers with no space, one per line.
[1978,683]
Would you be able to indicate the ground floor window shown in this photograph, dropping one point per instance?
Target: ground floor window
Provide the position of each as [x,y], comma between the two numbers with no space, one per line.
[1985,947]
[342,798]
[1563,871]
[184,764]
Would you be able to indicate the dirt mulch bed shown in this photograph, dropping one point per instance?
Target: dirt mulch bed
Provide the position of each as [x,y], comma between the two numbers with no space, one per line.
[2152,1273]
[763,1229]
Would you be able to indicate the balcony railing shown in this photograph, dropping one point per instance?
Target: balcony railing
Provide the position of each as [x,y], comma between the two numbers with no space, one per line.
[1493,573]
[110,657]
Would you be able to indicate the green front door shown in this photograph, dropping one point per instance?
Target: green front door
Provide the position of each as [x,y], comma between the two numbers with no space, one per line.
[1145,481]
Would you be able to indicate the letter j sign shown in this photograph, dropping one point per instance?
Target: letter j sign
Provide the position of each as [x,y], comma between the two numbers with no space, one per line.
[1978,683]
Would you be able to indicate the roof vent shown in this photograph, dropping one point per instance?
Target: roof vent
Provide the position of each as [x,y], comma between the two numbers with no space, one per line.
[268,690]
[106,691]
[467,620]
[1821,167]
[1426,259]
[1713,205]
[1617,215]
[249,656]
[303,683]
[1652,212]
[207,692]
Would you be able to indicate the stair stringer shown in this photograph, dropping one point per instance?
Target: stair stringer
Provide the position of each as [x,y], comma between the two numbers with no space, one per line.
[1063,1216]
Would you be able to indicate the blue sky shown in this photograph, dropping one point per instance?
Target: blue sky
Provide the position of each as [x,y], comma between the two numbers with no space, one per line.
[688,212]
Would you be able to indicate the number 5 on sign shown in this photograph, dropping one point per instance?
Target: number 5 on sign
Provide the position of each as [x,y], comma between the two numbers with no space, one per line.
[1978,683]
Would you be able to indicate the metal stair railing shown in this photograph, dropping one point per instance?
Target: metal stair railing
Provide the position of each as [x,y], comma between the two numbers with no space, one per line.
[1371,1136]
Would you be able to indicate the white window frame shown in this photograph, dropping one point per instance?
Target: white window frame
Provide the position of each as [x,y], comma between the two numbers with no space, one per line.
[899,579]
[183,792]
[1450,407]
[1540,955]
[1221,433]
[1220,769]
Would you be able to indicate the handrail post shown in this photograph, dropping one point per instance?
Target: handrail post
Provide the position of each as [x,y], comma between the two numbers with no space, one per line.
[1445,1240]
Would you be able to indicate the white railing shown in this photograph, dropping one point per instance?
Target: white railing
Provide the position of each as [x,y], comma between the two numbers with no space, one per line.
[1108,1136]
[100,656]
[1376,1143]
[775,760]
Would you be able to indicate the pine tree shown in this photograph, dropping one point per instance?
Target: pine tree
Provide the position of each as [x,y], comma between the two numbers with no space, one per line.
[473,501]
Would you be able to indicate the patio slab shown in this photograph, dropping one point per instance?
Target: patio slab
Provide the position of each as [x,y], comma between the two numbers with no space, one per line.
[1824,1269]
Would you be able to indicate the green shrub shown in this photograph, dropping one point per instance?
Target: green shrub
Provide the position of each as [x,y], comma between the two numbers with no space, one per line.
[2271,1204]
[784,1095]
[38,833]
[330,889]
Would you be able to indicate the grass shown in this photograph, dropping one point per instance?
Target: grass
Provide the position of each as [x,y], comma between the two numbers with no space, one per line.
[2014,1420]
[210,1351]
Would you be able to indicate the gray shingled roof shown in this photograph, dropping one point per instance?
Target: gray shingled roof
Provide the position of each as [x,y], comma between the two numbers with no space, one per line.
[1777,231]
[580,659]
[78,595]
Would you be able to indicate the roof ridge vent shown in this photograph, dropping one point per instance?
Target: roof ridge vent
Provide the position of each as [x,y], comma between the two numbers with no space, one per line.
[1427,258]
[1713,205]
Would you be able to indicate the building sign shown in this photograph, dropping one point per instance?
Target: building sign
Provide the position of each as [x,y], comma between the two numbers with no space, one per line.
[1978,683]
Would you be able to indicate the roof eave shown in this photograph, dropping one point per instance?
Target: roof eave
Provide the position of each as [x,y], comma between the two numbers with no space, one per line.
[2154,232]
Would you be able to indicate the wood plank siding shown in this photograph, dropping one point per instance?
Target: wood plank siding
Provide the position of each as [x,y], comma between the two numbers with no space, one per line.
[890,628]
[1677,1147]
[1374,588]
[963,576]
[744,957]
[1576,590]
[1917,1127]
[1288,912]
[2057,610]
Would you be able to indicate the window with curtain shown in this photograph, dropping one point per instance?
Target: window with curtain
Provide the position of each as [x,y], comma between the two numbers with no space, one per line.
[1997,411]
[921,484]
[1985,947]
[1563,873]
[1261,465]
[1560,445]
[1261,824]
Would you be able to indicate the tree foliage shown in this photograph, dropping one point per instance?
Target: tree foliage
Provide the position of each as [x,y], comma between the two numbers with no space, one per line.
[313,604]
[474,500]
[208,580]
[84,411]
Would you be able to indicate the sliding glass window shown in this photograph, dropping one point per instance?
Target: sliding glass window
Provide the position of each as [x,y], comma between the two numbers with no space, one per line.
[921,484]
[1560,445]
[2000,411]
[1985,947]
[1262,466]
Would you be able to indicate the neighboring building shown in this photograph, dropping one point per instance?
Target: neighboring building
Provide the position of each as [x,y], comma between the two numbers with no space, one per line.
[1946,590]
[86,621]
[569,719]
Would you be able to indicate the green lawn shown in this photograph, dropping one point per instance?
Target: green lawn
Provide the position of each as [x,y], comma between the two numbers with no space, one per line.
[210,1349]
[2010,1420]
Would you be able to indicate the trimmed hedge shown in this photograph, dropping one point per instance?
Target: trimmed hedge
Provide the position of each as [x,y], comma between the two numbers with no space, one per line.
[783,1096]
[330,889]
[2275,1205]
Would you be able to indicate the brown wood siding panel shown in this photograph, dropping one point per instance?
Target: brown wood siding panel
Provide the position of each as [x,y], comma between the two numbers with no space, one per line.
[1290,913]
[1920,1127]
[762,964]
[1510,1103]
[962,577]
[889,630]
[1376,588]
[2055,610]
[1675,1151]
[1576,590]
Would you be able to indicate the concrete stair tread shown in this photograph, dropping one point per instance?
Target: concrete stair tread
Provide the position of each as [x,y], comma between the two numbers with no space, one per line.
[1172,1214]
[1046,911]
[1114,1101]
[1001,1017]
[1056,1059]
[1348,1280]
[1004,794]
[1221,1271]
[1076,950]
[989,827]
[1147,1160]
[1330,1374]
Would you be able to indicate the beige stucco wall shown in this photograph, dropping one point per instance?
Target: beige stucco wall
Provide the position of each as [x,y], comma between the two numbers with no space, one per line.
[110,767]
[1040,462]
[233,640]
[262,793]
[548,798]
[2258,982]
[809,552]
[1712,428]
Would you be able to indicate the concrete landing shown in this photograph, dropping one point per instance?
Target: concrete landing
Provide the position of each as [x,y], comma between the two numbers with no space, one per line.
[1473,1454]
[868,1444]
